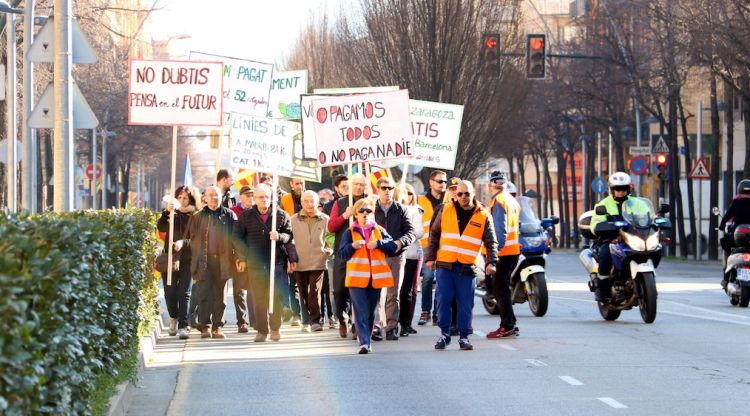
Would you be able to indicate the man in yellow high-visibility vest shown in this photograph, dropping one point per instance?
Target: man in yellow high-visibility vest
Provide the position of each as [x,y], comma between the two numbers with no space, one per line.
[459,231]
[506,218]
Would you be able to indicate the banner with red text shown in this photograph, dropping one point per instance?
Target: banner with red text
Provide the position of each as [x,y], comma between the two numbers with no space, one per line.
[175,93]
[362,128]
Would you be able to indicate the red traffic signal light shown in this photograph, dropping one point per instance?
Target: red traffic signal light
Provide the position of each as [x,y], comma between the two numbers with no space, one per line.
[661,158]
[661,165]
[490,54]
[536,56]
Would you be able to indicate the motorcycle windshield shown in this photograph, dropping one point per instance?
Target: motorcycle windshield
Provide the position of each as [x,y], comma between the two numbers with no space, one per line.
[638,212]
[530,223]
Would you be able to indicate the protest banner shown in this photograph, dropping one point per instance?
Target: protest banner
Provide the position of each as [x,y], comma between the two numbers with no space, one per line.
[362,128]
[174,93]
[262,144]
[436,128]
[177,93]
[286,89]
[247,84]
[309,147]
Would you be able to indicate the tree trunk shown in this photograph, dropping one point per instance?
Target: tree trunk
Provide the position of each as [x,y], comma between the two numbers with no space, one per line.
[573,219]
[746,117]
[48,162]
[535,159]
[694,232]
[729,175]
[713,235]
[562,184]
[675,196]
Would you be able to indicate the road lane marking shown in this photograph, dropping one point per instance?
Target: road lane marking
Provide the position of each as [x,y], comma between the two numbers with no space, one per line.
[480,333]
[570,380]
[507,347]
[612,402]
[536,362]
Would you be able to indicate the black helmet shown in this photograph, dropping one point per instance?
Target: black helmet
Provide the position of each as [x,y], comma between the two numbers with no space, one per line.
[743,187]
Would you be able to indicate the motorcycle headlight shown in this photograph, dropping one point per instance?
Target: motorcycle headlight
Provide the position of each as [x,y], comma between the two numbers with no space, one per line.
[652,242]
[634,242]
[533,241]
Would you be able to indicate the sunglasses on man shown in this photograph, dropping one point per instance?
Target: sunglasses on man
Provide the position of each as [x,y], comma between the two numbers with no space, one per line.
[462,194]
[620,188]
[441,182]
[387,188]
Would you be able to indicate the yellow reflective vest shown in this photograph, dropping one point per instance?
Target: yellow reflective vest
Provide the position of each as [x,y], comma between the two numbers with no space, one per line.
[366,264]
[427,213]
[455,246]
[512,220]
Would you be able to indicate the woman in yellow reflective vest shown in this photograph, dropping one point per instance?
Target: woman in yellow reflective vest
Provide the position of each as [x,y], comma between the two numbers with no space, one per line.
[364,247]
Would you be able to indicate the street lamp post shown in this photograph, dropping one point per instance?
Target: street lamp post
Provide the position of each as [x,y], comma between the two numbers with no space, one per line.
[105,133]
[10,101]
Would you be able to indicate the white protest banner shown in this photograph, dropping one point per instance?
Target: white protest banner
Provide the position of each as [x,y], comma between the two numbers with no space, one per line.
[262,144]
[436,128]
[362,128]
[247,84]
[175,93]
[286,89]
[310,148]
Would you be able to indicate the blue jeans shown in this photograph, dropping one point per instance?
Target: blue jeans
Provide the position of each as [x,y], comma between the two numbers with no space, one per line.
[428,278]
[454,285]
[365,301]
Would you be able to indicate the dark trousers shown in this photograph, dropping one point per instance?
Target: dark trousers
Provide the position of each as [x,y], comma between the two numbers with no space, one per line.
[177,295]
[290,298]
[340,291]
[501,289]
[605,260]
[260,288]
[364,301]
[193,307]
[326,306]
[242,304]
[212,301]
[406,294]
[309,284]
[458,288]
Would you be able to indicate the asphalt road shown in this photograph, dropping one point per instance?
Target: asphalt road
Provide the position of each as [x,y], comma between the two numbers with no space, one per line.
[690,361]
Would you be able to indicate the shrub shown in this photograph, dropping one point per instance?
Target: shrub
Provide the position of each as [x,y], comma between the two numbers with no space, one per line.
[75,289]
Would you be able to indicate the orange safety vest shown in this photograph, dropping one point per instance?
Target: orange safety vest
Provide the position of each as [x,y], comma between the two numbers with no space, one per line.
[287,204]
[427,213]
[512,221]
[463,248]
[366,264]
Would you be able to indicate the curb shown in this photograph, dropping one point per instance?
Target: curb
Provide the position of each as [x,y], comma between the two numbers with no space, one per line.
[120,402]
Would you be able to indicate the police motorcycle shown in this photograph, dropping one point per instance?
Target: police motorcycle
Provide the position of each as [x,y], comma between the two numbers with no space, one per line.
[636,253]
[528,278]
[736,281]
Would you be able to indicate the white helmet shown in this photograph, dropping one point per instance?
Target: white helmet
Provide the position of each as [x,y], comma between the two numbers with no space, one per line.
[618,179]
[510,188]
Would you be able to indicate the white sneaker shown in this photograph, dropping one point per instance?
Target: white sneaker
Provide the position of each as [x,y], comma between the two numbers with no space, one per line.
[305,328]
[173,327]
[183,333]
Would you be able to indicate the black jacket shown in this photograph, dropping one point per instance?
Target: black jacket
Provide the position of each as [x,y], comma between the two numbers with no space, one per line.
[196,240]
[253,243]
[181,223]
[738,212]
[397,223]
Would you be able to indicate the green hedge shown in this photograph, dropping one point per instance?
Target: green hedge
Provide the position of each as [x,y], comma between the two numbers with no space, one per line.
[75,290]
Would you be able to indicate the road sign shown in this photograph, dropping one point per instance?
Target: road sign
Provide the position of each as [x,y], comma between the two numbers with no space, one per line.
[599,185]
[638,165]
[41,49]
[639,150]
[42,116]
[90,171]
[700,171]
[660,146]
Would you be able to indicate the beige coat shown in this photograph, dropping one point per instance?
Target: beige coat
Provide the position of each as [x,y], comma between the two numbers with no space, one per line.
[310,242]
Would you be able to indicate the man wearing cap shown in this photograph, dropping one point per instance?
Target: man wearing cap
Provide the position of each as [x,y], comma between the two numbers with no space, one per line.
[506,218]
[452,187]
[242,299]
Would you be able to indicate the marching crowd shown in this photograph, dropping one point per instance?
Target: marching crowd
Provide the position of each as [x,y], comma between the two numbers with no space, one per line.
[348,262]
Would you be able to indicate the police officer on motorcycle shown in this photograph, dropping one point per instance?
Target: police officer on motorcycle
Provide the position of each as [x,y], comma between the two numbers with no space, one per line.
[619,192]
[738,213]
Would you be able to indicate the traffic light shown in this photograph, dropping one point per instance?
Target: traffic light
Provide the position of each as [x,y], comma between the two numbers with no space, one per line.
[536,56]
[490,54]
[661,165]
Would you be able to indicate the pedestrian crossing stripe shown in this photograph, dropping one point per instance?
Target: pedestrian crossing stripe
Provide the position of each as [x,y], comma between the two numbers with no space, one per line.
[700,171]
[660,146]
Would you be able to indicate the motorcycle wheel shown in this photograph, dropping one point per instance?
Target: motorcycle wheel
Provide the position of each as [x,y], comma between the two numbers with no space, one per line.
[607,313]
[647,299]
[538,297]
[745,296]
[490,305]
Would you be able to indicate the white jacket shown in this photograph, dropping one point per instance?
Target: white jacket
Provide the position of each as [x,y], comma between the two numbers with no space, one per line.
[414,251]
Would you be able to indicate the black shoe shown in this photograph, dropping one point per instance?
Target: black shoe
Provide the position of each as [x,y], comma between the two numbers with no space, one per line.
[603,290]
[404,331]
[377,335]
[724,283]
[411,329]
[442,342]
[391,335]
